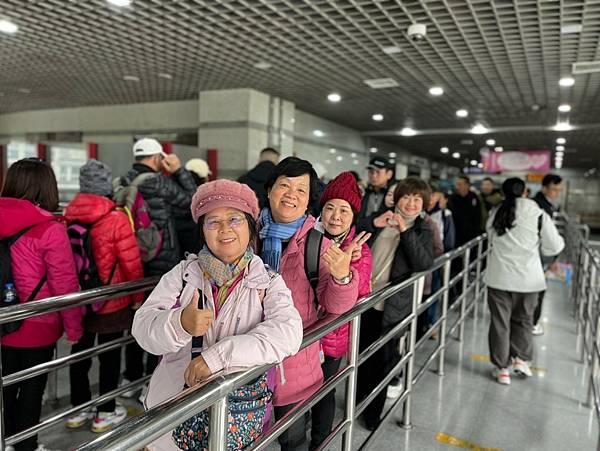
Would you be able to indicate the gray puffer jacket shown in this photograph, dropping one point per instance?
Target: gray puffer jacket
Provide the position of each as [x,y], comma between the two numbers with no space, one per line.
[163,194]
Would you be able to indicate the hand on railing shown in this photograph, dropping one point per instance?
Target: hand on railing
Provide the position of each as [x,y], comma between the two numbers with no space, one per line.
[196,372]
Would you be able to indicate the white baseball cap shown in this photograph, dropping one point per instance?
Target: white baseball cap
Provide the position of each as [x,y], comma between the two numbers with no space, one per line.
[146,147]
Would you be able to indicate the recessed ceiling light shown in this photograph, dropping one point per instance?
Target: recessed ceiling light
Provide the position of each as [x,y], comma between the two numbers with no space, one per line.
[480,165]
[381,83]
[332,151]
[436,91]
[352,155]
[318,133]
[407,131]
[462,113]
[456,155]
[392,161]
[564,108]
[392,154]
[490,142]
[499,149]
[565,82]
[119,2]
[377,117]
[165,76]
[262,65]
[561,141]
[473,162]
[339,158]
[479,129]
[373,150]
[355,162]
[391,49]
[131,78]
[334,97]
[571,29]
[562,127]
[560,148]
[444,150]
[8,27]
[559,155]
[24,90]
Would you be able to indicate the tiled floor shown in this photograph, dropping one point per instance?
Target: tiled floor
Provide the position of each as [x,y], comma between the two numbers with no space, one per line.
[541,413]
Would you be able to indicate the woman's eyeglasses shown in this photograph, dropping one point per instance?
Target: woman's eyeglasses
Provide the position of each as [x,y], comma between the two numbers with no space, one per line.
[231,223]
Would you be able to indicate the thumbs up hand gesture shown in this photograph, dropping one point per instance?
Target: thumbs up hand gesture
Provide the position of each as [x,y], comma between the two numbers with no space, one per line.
[195,320]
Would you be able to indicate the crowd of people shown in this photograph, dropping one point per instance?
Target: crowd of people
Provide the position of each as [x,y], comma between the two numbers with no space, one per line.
[246,266]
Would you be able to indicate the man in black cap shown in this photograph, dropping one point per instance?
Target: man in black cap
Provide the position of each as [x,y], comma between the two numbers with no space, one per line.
[381,177]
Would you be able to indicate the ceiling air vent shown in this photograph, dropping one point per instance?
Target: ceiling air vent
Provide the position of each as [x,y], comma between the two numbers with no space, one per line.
[586,67]
[381,83]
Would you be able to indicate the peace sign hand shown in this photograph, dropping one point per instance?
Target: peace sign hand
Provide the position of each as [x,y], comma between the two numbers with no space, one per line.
[195,320]
[338,261]
[359,239]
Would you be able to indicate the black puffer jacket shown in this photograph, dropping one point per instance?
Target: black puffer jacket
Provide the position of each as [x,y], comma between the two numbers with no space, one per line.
[162,195]
[256,178]
[413,254]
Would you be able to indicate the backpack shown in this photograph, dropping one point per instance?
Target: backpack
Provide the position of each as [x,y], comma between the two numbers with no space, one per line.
[312,259]
[128,197]
[6,277]
[87,271]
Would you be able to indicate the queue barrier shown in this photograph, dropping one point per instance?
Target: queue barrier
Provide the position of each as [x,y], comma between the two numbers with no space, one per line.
[140,430]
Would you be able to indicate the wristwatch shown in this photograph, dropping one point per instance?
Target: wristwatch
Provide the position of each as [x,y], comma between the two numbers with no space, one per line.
[345,281]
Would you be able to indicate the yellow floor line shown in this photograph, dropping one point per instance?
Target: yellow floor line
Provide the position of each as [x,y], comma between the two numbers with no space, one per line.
[133,411]
[486,358]
[460,443]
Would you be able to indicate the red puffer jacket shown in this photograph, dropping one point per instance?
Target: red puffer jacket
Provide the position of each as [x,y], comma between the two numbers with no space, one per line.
[112,240]
[43,249]
[335,344]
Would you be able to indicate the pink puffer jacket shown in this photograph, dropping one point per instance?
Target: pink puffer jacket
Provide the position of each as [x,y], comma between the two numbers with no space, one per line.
[335,344]
[43,249]
[302,374]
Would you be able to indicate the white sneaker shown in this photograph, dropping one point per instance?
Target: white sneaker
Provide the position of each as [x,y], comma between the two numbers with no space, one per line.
[131,393]
[80,418]
[105,421]
[502,375]
[395,391]
[521,367]
[537,330]
[143,394]
[9,448]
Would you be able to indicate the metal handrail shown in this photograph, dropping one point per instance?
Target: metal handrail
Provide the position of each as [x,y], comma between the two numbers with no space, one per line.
[162,418]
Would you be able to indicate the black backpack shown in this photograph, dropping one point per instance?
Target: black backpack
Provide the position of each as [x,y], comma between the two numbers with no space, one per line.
[312,259]
[6,277]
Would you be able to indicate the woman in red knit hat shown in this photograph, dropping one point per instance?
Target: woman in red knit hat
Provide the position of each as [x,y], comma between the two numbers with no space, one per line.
[340,203]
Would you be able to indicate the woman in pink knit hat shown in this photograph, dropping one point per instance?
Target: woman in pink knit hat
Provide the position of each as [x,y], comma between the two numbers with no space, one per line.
[217,312]
[340,204]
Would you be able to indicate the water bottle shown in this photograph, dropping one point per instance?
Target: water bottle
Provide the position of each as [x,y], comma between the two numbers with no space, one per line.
[10,294]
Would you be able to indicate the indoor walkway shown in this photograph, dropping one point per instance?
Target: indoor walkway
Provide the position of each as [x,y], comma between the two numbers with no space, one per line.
[466,407]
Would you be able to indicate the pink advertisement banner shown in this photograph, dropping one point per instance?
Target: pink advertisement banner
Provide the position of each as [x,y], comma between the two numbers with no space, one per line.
[526,160]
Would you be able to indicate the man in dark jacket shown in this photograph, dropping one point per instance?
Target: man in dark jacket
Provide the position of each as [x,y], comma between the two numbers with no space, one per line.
[162,194]
[547,199]
[258,176]
[491,195]
[466,211]
[381,174]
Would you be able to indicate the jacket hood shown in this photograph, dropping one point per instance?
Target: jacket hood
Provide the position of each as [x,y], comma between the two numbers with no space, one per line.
[22,214]
[88,208]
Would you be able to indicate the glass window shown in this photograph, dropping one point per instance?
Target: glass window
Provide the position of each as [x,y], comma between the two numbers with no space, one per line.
[66,161]
[17,150]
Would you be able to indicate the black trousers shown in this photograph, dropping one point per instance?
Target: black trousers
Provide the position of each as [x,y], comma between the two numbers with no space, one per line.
[134,362]
[323,413]
[537,314]
[110,369]
[23,401]
[294,438]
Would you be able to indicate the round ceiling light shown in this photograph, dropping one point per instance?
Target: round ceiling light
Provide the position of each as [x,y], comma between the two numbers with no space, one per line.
[444,150]
[561,141]
[564,108]
[490,142]
[377,117]
[8,27]
[334,97]
[566,82]
[436,91]
[462,113]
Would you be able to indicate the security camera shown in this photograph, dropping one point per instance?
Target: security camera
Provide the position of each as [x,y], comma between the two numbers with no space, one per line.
[417,32]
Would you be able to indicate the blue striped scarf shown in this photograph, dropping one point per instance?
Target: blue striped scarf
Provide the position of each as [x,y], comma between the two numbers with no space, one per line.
[272,234]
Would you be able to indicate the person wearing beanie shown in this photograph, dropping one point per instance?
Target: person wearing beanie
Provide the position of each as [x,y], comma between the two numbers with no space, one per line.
[222,310]
[117,257]
[402,245]
[340,204]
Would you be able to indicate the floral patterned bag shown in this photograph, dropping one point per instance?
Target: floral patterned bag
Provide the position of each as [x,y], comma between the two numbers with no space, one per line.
[247,410]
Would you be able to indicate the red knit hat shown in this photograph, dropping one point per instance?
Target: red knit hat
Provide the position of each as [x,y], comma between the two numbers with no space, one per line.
[344,187]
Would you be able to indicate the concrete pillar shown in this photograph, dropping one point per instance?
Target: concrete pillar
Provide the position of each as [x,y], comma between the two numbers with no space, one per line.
[241,122]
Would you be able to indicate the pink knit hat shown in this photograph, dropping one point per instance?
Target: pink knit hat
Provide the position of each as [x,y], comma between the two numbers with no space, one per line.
[224,193]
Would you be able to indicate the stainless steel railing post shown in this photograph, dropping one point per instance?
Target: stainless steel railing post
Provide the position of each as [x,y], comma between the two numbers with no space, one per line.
[352,383]
[580,294]
[590,401]
[465,288]
[217,439]
[2,425]
[477,280]
[406,414]
[444,325]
